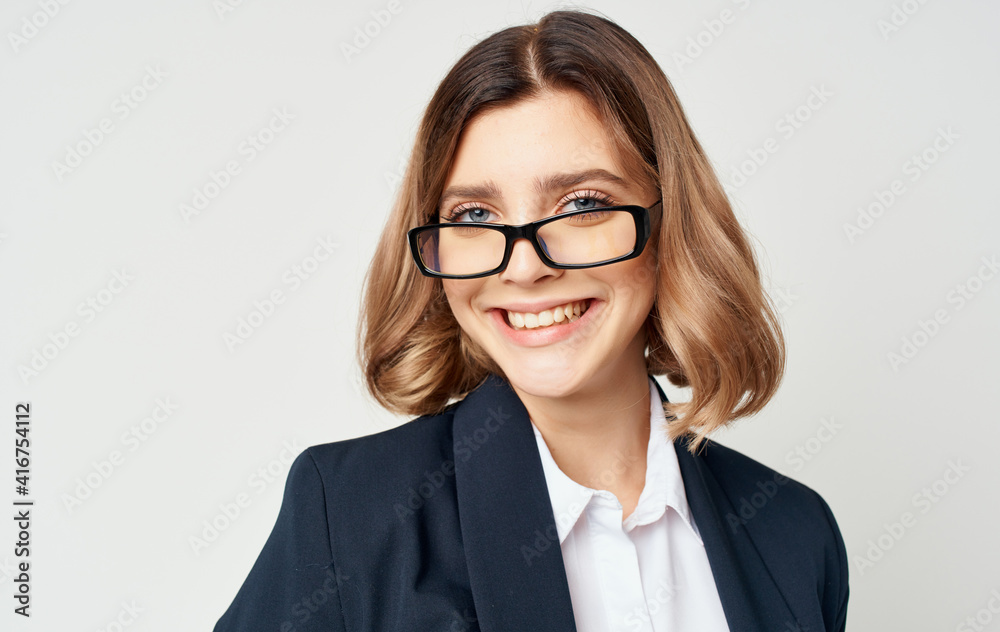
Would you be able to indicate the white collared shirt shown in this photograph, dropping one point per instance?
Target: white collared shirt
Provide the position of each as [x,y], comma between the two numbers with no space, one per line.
[649,573]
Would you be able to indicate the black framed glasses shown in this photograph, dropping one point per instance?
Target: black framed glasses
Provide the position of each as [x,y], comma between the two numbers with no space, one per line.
[578,239]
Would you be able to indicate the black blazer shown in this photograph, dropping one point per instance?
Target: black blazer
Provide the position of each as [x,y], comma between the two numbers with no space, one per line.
[444,524]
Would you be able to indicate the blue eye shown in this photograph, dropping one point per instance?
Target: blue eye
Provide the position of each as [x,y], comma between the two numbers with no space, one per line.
[580,205]
[469,215]
[587,200]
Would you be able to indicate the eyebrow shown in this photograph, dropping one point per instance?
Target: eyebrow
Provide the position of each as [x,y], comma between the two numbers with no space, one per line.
[490,190]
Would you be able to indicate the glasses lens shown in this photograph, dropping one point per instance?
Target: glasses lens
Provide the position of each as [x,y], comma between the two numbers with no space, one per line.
[589,238]
[455,249]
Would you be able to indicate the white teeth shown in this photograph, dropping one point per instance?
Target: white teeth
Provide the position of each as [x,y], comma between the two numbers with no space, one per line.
[564,313]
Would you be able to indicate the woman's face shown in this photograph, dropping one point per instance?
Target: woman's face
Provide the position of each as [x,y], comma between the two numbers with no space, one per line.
[531,160]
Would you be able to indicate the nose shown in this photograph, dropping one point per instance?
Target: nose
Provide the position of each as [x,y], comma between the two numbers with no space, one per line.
[524,267]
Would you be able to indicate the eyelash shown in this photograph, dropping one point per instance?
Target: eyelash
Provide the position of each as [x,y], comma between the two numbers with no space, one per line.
[589,194]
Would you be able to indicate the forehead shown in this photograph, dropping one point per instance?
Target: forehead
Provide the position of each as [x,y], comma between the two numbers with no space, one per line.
[555,132]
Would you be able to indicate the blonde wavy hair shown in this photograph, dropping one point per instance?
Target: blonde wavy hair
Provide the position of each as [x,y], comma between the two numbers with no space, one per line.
[711,328]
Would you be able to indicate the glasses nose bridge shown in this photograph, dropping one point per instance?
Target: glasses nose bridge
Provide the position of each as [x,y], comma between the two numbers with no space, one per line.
[528,232]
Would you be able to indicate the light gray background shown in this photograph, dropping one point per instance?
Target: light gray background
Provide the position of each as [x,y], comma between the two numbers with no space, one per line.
[330,174]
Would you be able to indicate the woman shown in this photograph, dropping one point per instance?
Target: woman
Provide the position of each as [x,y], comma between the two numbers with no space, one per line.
[558,238]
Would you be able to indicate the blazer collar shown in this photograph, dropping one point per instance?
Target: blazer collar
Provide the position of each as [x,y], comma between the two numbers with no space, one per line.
[514,559]
[508,530]
[749,596]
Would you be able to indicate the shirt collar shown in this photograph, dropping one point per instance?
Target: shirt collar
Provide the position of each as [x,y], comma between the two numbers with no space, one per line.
[663,488]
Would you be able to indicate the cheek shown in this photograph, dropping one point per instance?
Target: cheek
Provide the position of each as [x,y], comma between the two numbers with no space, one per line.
[637,283]
[460,295]
[452,289]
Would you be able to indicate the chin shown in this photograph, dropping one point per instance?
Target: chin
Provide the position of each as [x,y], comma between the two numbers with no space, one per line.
[542,391]
[546,381]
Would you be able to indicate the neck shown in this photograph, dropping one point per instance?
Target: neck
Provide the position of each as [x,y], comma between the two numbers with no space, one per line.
[599,437]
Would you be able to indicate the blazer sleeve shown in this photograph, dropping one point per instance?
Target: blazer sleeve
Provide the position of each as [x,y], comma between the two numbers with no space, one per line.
[837,581]
[294,585]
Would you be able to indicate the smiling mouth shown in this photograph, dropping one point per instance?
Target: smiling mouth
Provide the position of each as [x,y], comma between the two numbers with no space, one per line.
[560,315]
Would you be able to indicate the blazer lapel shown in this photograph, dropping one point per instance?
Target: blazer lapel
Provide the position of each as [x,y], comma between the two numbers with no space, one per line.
[749,596]
[515,563]
[509,533]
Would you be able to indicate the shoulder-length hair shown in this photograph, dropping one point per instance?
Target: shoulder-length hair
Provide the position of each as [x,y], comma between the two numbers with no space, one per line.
[711,327]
